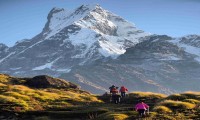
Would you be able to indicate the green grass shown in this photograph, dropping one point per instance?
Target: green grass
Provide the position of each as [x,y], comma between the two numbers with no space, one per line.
[177,104]
[72,104]
[21,98]
[112,116]
[150,97]
[193,101]
[4,78]
[162,109]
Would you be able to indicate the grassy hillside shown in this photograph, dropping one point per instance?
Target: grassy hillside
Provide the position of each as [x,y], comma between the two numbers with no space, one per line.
[16,96]
[47,98]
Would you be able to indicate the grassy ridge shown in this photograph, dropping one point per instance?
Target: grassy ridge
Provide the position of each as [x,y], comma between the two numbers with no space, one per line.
[20,98]
[71,103]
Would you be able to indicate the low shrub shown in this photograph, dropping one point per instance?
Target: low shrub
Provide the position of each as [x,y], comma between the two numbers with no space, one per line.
[112,116]
[147,95]
[192,95]
[163,117]
[4,78]
[2,85]
[14,102]
[150,97]
[174,105]
[176,97]
[162,109]
[193,101]
[6,99]
[17,95]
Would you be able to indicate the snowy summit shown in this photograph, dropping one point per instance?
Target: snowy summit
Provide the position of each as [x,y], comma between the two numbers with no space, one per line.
[95,24]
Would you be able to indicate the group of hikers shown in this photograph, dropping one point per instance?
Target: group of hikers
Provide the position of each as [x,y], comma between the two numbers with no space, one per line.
[141,107]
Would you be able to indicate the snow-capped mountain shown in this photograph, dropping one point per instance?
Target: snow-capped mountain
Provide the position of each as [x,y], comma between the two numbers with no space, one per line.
[96,48]
[157,64]
[72,38]
[190,44]
[90,24]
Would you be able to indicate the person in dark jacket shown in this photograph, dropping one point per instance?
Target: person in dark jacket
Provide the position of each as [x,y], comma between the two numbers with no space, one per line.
[112,88]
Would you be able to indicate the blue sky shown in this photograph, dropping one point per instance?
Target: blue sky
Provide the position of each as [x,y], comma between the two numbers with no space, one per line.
[20,19]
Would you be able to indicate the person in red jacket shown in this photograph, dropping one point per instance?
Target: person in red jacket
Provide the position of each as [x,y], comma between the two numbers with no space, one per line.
[123,91]
[114,94]
[114,91]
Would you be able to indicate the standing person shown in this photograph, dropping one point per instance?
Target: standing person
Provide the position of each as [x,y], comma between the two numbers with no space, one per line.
[123,91]
[112,88]
[141,107]
[114,94]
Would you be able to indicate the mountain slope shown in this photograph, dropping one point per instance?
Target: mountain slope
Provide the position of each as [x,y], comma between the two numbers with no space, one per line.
[72,38]
[190,44]
[96,48]
[157,65]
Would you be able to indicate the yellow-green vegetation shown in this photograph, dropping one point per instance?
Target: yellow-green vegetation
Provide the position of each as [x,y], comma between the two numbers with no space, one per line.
[186,95]
[13,103]
[4,78]
[113,116]
[162,109]
[177,104]
[193,101]
[2,85]
[147,96]
[53,103]
[45,98]
[21,98]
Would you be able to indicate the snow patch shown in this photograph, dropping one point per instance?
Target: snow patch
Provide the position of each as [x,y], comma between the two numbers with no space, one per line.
[110,49]
[65,18]
[47,65]
[63,70]
[167,56]
[6,57]
[84,36]
[188,48]
[29,47]
[15,68]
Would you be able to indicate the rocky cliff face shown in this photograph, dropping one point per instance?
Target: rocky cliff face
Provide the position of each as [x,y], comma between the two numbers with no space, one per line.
[157,64]
[96,48]
[71,38]
[3,50]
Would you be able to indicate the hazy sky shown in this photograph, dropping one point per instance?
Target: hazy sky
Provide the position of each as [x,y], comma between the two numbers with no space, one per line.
[20,19]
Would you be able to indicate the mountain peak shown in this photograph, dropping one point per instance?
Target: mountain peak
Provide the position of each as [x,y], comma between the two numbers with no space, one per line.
[89,6]
[3,47]
[114,33]
[54,11]
[88,33]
